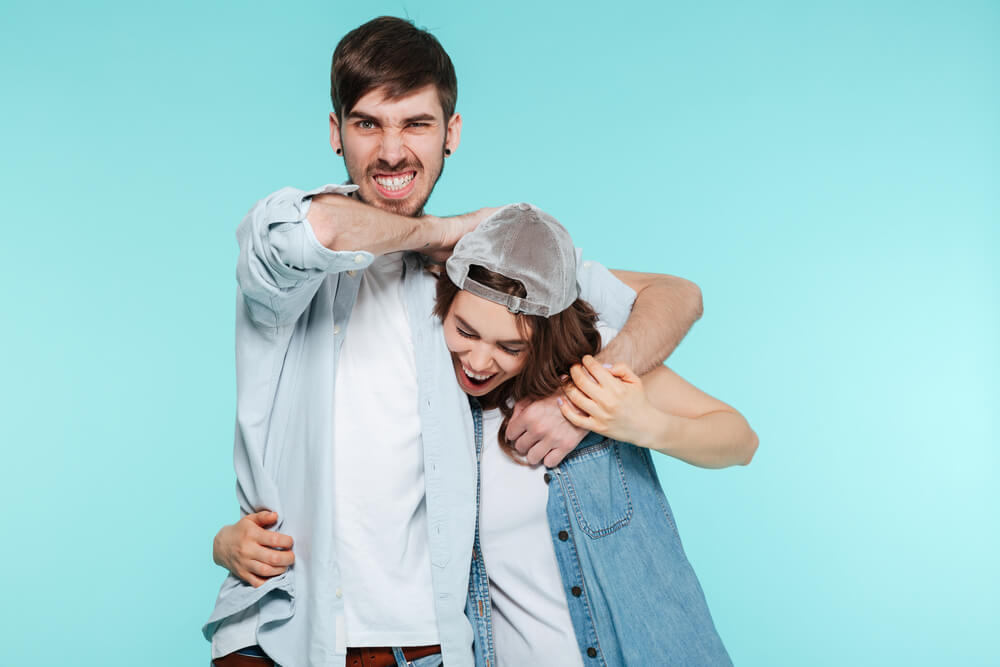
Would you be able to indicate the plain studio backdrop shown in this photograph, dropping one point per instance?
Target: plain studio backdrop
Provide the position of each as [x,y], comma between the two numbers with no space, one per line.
[826,172]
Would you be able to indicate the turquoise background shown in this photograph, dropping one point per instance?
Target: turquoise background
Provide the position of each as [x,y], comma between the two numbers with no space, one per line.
[826,172]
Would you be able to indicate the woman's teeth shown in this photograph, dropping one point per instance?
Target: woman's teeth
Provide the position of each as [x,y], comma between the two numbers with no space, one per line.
[476,377]
[395,182]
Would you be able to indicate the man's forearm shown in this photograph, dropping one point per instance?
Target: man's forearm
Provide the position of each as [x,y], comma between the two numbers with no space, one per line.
[341,223]
[665,309]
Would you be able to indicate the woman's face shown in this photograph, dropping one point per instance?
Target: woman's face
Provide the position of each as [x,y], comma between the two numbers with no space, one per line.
[486,344]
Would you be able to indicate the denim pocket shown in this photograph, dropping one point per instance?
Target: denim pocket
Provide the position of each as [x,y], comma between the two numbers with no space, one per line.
[594,479]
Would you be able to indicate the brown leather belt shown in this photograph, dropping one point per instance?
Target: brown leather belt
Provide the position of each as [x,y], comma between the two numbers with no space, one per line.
[382,656]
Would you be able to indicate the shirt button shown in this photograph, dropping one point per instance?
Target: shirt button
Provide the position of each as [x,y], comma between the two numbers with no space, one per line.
[547,478]
[336,329]
[358,259]
[587,264]
[563,535]
[340,593]
[352,273]
[592,652]
[577,592]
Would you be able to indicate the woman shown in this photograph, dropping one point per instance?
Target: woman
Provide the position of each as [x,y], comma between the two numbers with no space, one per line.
[585,564]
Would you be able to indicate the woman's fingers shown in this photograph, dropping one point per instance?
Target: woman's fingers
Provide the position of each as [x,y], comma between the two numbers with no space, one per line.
[584,381]
[583,402]
[574,416]
[599,371]
[624,372]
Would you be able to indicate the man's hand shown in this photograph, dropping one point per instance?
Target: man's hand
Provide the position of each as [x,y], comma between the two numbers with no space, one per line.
[250,552]
[540,432]
[450,230]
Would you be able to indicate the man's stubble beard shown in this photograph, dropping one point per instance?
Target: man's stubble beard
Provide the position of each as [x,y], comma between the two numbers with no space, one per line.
[401,207]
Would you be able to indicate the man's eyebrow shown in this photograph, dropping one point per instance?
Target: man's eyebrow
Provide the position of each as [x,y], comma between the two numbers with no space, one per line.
[361,115]
[421,118]
[468,329]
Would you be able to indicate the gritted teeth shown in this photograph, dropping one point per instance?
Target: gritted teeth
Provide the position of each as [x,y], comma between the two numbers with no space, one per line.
[395,181]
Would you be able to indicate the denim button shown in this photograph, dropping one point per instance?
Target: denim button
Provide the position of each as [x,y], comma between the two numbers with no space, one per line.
[576,591]
[547,477]
[592,652]
[563,535]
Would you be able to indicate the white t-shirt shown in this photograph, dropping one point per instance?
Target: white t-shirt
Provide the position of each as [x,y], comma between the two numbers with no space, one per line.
[531,621]
[381,517]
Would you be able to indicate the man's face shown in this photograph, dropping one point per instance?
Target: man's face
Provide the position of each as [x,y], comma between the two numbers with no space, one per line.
[394,149]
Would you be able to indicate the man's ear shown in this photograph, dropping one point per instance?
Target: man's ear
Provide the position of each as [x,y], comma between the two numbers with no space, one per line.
[453,133]
[335,140]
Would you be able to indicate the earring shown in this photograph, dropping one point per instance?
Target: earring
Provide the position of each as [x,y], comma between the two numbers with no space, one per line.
[447,151]
[339,151]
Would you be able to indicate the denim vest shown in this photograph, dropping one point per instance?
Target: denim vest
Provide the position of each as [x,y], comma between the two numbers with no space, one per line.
[633,597]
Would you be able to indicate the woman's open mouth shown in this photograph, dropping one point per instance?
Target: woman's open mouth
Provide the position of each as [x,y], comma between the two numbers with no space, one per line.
[477,379]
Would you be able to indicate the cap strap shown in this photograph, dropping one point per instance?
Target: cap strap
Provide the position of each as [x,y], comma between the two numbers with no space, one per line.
[513,303]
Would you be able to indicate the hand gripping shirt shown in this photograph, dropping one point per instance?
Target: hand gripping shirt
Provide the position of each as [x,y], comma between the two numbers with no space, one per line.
[294,301]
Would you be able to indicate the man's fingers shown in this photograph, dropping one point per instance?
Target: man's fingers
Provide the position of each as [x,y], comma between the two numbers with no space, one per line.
[273,557]
[275,540]
[525,443]
[516,426]
[265,570]
[263,518]
[535,455]
[251,578]
[554,458]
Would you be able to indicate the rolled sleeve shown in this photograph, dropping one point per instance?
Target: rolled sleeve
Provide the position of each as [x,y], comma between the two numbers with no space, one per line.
[281,262]
[610,297]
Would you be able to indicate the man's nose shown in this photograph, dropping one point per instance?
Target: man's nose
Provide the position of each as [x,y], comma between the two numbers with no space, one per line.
[392,150]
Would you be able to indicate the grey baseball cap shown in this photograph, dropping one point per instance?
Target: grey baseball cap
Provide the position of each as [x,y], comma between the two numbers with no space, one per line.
[526,244]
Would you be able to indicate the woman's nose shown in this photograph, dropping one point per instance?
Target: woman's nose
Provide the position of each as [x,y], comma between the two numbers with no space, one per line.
[480,357]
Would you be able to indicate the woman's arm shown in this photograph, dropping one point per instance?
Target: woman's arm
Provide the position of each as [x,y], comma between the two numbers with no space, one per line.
[659,411]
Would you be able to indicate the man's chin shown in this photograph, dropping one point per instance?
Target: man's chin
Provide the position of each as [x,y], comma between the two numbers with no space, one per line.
[411,207]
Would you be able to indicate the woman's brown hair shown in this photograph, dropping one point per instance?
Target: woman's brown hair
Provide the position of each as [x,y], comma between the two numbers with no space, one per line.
[556,343]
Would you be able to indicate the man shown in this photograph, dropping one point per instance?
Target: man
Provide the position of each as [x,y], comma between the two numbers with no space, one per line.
[351,431]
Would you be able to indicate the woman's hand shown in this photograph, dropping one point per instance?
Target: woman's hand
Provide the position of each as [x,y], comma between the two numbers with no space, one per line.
[609,400]
[661,411]
[250,552]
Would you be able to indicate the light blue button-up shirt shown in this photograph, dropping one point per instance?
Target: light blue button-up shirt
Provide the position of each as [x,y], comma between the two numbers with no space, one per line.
[294,300]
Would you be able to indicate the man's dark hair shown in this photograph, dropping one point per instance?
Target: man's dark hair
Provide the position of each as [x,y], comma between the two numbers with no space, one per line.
[393,53]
